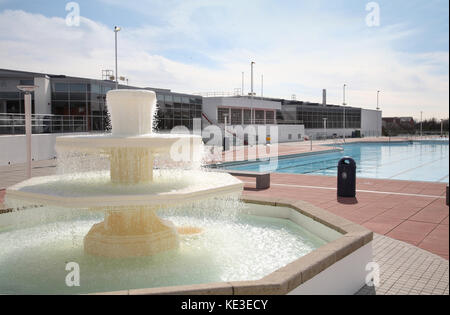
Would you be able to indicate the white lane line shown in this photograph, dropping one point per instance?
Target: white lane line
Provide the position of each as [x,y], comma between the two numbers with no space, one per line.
[358,190]
[418,166]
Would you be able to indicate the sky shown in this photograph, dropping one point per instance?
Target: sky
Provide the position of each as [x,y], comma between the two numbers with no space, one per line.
[191,46]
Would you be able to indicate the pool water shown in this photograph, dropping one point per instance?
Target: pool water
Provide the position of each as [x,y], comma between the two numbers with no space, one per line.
[415,161]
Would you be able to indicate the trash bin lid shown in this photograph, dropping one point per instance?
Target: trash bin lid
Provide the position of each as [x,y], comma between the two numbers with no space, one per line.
[348,161]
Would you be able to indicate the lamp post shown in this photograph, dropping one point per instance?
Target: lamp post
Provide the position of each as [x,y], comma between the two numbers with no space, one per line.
[421,121]
[378,107]
[116,30]
[27,89]
[343,104]
[251,93]
[262,85]
[378,99]
[242,91]
[325,126]
[251,67]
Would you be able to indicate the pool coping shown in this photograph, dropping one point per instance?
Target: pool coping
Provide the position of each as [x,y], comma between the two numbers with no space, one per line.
[289,277]
[279,157]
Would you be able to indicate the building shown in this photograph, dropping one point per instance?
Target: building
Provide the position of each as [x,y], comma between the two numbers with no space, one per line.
[70,104]
[319,120]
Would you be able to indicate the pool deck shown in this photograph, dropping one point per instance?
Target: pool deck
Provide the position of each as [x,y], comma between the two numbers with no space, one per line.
[413,212]
[410,219]
[291,148]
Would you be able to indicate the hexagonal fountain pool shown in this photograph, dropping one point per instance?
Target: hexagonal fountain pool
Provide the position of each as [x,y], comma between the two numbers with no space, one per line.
[136,227]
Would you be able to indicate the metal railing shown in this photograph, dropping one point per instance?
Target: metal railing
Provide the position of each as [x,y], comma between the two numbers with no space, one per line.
[218,94]
[12,124]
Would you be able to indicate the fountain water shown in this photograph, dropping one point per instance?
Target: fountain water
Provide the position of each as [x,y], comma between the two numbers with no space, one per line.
[131,226]
[147,212]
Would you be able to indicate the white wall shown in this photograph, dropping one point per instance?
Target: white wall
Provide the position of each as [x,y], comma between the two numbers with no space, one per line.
[345,277]
[210,104]
[43,95]
[320,132]
[285,133]
[13,148]
[371,122]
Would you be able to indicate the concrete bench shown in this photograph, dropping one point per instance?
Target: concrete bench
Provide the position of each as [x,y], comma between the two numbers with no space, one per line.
[262,179]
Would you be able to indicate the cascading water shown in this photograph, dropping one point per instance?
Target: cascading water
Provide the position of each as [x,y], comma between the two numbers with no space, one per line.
[129,224]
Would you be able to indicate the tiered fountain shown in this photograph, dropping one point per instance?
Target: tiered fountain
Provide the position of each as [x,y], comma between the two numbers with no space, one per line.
[147,206]
[131,226]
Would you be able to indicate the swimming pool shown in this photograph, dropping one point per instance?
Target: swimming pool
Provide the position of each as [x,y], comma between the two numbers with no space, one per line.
[417,161]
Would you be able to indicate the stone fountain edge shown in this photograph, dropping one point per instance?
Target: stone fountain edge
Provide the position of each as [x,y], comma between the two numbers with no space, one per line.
[290,277]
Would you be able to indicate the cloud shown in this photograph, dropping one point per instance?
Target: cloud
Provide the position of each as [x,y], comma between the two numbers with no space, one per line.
[300,60]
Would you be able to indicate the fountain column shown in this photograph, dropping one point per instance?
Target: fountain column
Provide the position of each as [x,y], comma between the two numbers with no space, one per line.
[129,231]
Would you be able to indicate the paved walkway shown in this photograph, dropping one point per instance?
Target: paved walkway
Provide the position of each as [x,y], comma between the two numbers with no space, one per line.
[410,211]
[414,212]
[289,148]
[13,174]
[407,269]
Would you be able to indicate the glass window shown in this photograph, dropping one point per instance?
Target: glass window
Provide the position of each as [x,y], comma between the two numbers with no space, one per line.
[259,117]
[106,89]
[78,96]
[236,116]
[60,107]
[27,82]
[96,89]
[61,87]
[77,108]
[177,99]
[9,95]
[247,116]
[168,99]
[78,87]
[221,113]
[270,117]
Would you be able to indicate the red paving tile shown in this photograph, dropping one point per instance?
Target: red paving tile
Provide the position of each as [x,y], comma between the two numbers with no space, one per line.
[382,225]
[412,232]
[432,214]
[411,218]
[437,241]
[402,212]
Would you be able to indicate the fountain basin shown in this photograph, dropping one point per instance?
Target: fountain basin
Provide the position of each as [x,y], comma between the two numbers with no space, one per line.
[158,143]
[96,191]
[335,265]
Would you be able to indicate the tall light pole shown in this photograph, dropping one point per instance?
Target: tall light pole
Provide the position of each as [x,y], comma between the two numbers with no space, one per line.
[262,85]
[242,93]
[421,124]
[251,67]
[378,100]
[27,89]
[343,104]
[378,108]
[325,126]
[116,30]
[251,92]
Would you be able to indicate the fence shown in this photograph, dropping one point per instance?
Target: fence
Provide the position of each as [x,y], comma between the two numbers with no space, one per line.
[11,124]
